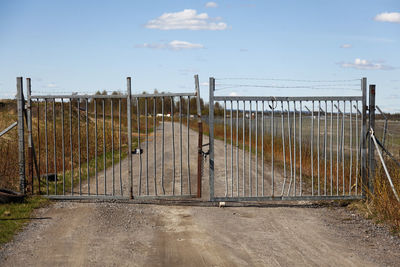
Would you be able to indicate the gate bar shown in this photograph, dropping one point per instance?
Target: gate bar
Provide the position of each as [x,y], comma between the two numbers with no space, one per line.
[129,122]
[211,125]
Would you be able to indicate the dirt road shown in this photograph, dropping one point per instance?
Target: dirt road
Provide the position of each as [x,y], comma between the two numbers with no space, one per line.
[124,234]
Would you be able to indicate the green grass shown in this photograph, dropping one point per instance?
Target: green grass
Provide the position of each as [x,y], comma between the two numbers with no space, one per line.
[14,216]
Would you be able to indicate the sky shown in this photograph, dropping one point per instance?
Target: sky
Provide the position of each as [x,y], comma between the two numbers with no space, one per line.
[269,48]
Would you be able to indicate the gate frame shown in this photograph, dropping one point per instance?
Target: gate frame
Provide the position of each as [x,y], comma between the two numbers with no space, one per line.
[24,110]
[366,180]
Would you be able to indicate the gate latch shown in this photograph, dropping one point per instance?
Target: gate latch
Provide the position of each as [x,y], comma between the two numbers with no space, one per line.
[203,153]
[137,151]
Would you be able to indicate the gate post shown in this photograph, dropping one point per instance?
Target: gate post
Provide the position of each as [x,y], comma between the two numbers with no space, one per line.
[29,125]
[371,150]
[363,172]
[21,139]
[129,121]
[211,129]
[200,141]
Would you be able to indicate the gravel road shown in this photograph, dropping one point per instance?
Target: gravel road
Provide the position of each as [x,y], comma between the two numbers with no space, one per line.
[126,234]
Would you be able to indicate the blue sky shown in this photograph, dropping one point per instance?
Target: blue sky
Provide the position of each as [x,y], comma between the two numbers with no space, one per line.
[85,46]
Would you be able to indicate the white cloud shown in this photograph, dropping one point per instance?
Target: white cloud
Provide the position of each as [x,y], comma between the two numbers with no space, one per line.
[178,45]
[388,17]
[346,46]
[363,64]
[211,4]
[51,85]
[173,45]
[187,19]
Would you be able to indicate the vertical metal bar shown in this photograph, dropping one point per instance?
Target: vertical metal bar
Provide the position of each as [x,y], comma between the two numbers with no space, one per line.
[79,147]
[262,149]
[300,148]
[200,138]
[139,145]
[357,154]
[30,139]
[95,147]
[290,147]
[318,147]
[351,146]
[294,147]
[371,151]
[256,148]
[272,149]
[211,127]
[180,145]
[312,149]
[162,147]
[173,146]
[283,148]
[364,178]
[112,147]
[21,138]
[237,148]
[244,147]
[38,139]
[71,145]
[104,148]
[325,142]
[188,145]
[231,131]
[47,152]
[155,144]
[147,145]
[62,143]
[55,146]
[129,122]
[343,144]
[337,150]
[250,181]
[225,153]
[120,143]
[331,149]
[87,147]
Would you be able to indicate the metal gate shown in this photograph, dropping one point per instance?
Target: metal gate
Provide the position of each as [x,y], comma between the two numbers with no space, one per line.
[287,148]
[112,146]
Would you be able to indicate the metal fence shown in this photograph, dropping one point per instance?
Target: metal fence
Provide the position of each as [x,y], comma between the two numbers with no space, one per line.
[133,146]
[277,148]
[110,146]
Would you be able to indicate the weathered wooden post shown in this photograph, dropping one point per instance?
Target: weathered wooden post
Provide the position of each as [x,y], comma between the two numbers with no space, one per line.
[21,139]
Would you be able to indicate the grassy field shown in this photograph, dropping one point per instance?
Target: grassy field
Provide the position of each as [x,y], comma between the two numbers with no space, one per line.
[15,215]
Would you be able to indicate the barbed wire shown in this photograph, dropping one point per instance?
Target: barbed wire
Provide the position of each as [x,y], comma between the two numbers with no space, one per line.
[316,87]
[282,79]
